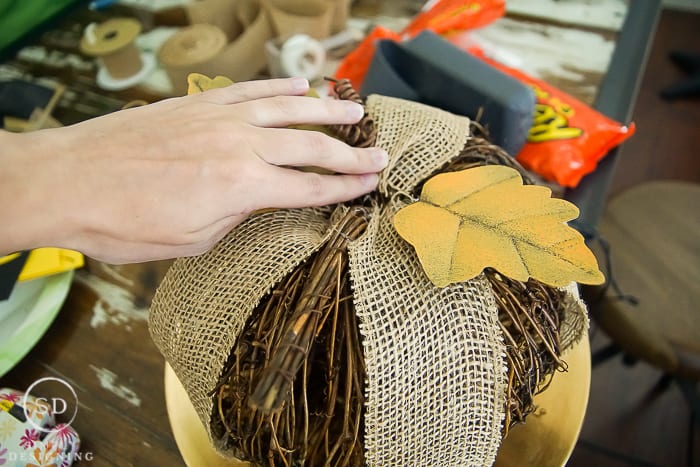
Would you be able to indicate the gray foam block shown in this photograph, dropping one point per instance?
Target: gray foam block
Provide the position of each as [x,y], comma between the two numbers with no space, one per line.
[430,70]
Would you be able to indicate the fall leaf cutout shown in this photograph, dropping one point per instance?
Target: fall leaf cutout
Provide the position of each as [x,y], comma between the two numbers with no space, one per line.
[197,82]
[485,217]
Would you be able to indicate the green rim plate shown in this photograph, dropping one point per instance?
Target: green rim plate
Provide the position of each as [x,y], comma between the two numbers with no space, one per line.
[20,331]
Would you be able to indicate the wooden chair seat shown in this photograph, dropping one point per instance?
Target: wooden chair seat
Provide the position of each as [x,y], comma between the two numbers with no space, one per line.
[654,234]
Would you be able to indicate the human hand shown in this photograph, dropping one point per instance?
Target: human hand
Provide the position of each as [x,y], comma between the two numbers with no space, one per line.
[172,178]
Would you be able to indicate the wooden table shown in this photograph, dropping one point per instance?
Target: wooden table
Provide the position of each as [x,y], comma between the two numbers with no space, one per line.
[100,345]
[100,342]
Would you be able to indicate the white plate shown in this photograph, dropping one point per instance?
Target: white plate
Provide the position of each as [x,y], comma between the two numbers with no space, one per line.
[28,313]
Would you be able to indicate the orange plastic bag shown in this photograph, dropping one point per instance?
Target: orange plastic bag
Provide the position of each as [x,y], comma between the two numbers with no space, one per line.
[567,137]
[443,17]
[355,64]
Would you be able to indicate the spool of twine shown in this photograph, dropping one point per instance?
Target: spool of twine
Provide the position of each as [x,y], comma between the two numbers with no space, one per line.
[112,42]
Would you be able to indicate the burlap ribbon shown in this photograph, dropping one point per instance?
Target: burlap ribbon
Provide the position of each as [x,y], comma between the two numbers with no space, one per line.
[434,356]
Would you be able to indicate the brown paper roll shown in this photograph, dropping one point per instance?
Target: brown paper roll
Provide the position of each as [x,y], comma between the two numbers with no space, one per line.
[244,58]
[311,17]
[220,13]
[203,48]
[113,43]
[247,11]
[193,48]
[341,11]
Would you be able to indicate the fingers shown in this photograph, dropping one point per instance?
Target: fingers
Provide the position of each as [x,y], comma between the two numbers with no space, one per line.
[257,89]
[286,147]
[281,102]
[281,111]
[289,188]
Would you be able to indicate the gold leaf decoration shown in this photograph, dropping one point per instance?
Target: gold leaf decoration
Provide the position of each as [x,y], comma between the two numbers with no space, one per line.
[485,217]
[197,82]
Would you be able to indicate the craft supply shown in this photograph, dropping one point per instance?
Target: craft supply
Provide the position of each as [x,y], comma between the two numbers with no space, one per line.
[121,64]
[193,48]
[430,70]
[339,19]
[10,268]
[204,48]
[522,232]
[229,16]
[31,264]
[19,98]
[47,261]
[300,55]
[311,17]
[362,134]
[333,345]
[441,17]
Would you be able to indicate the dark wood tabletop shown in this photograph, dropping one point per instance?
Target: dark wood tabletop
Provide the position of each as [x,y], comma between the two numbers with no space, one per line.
[99,343]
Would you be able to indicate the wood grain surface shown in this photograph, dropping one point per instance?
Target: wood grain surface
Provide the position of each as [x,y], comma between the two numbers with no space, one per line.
[100,345]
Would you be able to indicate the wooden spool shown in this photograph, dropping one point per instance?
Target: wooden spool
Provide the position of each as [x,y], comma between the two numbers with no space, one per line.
[113,43]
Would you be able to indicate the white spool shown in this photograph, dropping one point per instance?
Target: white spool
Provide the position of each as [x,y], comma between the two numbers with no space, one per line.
[302,56]
[106,81]
[120,63]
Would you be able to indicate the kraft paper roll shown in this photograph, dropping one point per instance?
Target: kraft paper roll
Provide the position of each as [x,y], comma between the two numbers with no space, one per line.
[247,11]
[220,13]
[203,48]
[113,43]
[311,17]
[339,19]
[193,48]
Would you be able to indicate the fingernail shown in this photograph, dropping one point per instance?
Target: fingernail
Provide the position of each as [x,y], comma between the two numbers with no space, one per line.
[300,84]
[370,179]
[380,156]
[354,110]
